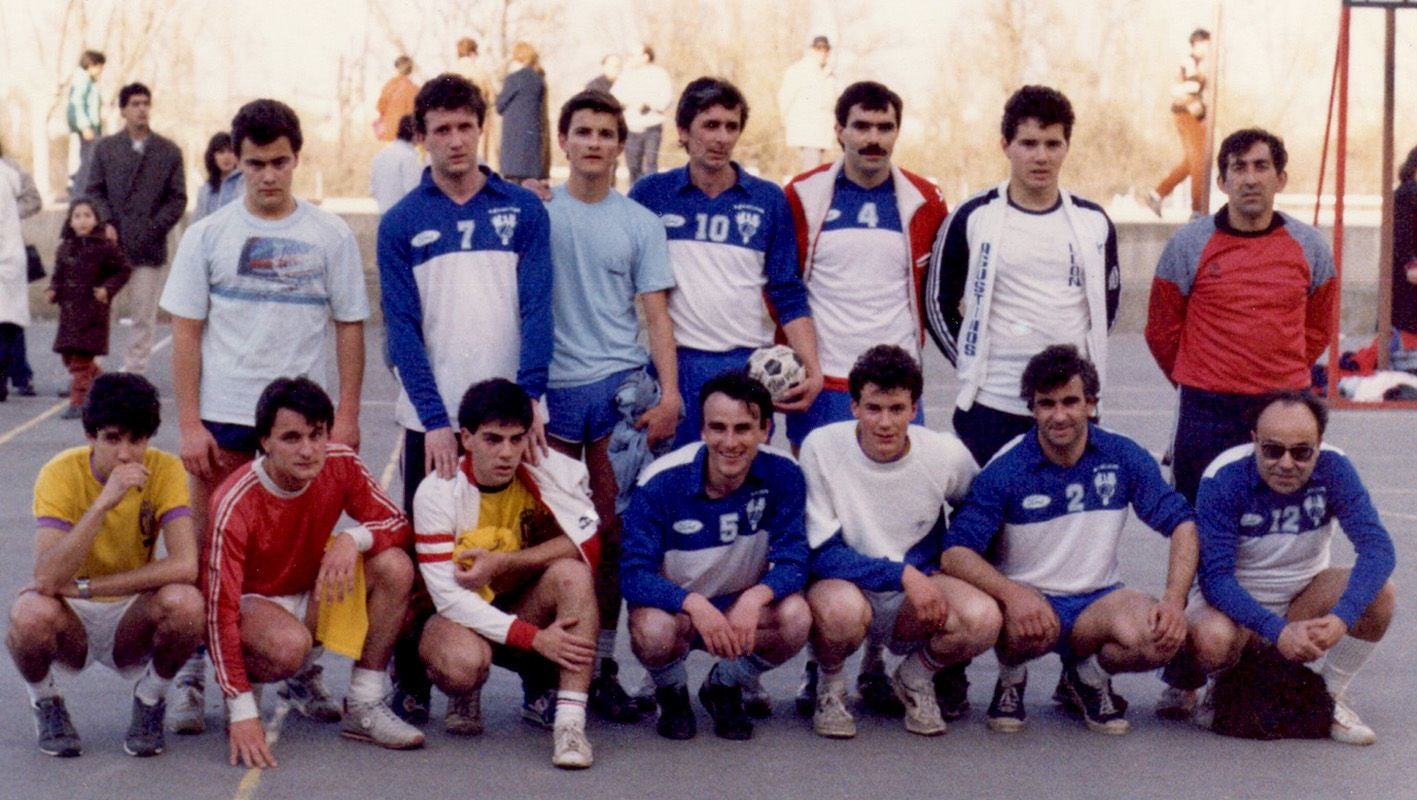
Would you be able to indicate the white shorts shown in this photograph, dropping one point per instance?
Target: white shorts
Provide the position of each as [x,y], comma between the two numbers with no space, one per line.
[885,609]
[100,620]
[296,604]
[1275,600]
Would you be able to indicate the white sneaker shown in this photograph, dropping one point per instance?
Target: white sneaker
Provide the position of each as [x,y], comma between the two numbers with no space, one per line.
[1176,703]
[377,723]
[831,719]
[1347,727]
[188,712]
[922,711]
[570,747]
[464,717]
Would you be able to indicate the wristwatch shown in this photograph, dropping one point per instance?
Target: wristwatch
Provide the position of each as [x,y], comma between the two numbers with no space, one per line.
[84,592]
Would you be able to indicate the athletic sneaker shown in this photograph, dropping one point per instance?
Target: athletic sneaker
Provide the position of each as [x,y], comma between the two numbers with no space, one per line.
[26,390]
[1063,697]
[570,747]
[377,723]
[877,696]
[464,716]
[922,713]
[1176,703]
[56,733]
[756,700]
[952,691]
[410,707]
[1006,713]
[306,693]
[1100,708]
[676,716]
[831,718]
[725,705]
[607,699]
[144,737]
[1204,714]
[644,696]
[1347,727]
[806,700]
[188,714]
[539,709]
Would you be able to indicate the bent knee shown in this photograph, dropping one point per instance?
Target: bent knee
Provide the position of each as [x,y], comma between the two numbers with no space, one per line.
[35,615]
[570,576]
[655,635]
[980,618]
[793,618]
[179,602]
[391,569]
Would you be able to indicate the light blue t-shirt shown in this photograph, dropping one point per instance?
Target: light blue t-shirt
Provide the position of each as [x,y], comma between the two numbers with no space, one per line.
[604,254]
[267,291]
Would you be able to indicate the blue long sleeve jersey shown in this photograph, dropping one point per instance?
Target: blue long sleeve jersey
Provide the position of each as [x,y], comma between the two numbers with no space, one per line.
[677,540]
[1258,545]
[466,291]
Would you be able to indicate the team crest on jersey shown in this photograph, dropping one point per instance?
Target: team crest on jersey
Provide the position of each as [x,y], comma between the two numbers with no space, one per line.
[748,219]
[754,509]
[504,222]
[1314,507]
[1105,484]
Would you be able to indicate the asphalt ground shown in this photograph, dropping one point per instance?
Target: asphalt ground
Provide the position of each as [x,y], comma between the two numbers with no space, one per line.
[1054,757]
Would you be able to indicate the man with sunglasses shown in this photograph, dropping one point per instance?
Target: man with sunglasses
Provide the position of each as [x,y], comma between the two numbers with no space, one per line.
[1267,512]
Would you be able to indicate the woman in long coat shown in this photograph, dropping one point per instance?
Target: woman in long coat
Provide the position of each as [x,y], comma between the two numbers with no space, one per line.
[526,146]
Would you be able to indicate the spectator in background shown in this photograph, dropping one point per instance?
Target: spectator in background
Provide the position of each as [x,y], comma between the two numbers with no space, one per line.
[14,297]
[221,162]
[471,66]
[89,269]
[395,100]
[1402,345]
[395,169]
[84,115]
[610,68]
[645,93]
[28,202]
[526,150]
[1188,110]
[806,101]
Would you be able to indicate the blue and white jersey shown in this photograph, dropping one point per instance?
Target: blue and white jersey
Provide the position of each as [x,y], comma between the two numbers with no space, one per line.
[1257,544]
[677,540]
[466,295]
[1057,528]
[727,251]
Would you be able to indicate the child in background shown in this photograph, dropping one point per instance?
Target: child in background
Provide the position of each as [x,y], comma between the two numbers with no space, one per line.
[89,269]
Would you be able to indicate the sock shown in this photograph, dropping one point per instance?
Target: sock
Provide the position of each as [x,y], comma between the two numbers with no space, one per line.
[366,686]
[310,658]
[831,677]
[671,674]
[742,671]
[1343,662]
[194,672]
[151,687]
[1090,672]
[604,647]
[570,708]
[918,668]
[873,658]
[42,689]
[1013,674]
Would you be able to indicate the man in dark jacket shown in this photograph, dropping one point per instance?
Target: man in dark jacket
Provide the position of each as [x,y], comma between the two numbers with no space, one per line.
[136,181]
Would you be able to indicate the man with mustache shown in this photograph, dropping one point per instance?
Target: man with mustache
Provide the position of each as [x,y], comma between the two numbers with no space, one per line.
[1242,304]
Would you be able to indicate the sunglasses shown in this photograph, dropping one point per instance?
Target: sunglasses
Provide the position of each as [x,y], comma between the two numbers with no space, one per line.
[1301,453]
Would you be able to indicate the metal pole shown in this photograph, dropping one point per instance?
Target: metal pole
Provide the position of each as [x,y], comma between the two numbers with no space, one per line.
[1340,185]
[1385,250]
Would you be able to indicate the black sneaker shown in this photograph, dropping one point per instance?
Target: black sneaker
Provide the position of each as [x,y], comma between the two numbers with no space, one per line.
[806,701]
[57,736]
[1102,709]
[607,699]
[877,696]
[952,691]
[1063,697]
[1006,712]
[756,700]
[145,729]
[725,705]
[409,707]
[25,389]
[676,716]
[539,707]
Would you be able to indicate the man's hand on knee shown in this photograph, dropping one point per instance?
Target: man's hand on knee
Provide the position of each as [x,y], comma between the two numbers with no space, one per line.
[557,643]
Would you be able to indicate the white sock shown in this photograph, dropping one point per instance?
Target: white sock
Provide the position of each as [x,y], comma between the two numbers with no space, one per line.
[873,658]
[604,647]
[1013,674]
[570,707]
[42,689]
[831,677]
[1343,662]
[1090,672]
[365,686]
[194,672]
[918,668]
[151,687]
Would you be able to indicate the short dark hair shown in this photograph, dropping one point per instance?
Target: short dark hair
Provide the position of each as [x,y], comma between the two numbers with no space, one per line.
[871,96]
[1240,142]
[403,65]
[1292,397]
[593,100]
[649,53]
[447,92]
[736,384]
[1408,170]
[264,121]
[299,394]
[123,400]
[467,46]
[133,90]
[704,93]
[220,141]
[67,232]
[494,400]
[1043,103]
[405,131]
[92,58]
[1053,367]
[888,367]
[1200,35]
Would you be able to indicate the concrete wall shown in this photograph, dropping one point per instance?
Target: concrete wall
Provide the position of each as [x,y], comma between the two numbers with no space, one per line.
[1139,247]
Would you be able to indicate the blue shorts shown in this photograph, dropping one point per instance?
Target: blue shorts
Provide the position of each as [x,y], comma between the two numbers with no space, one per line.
[696,367]
[230,436]
[830,406]
[1069,607]
[586,413]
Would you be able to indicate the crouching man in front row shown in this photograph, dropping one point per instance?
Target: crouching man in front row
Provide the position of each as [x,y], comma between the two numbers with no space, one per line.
[508,550]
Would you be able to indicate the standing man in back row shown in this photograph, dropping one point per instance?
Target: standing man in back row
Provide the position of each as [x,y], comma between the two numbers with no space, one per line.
[1015,269]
